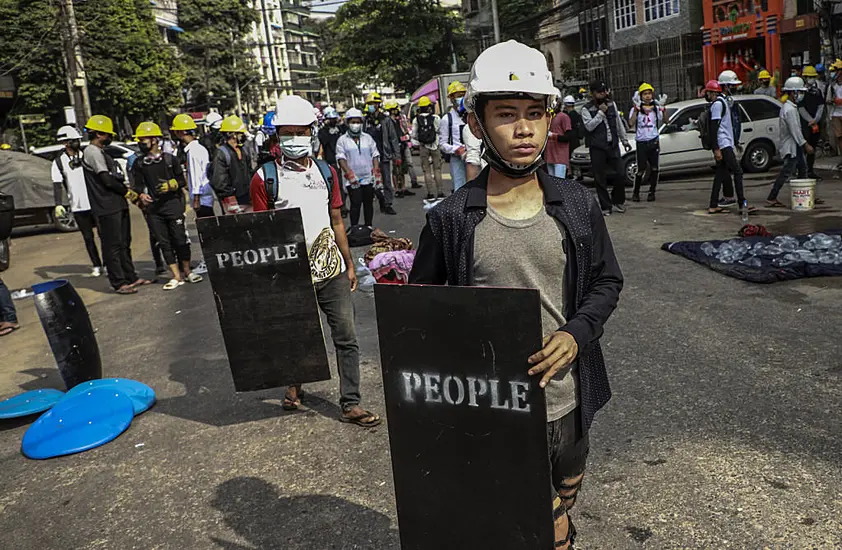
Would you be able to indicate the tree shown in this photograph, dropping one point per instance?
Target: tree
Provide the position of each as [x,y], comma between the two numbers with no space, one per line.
[401,42]
[522,17]
[217,54]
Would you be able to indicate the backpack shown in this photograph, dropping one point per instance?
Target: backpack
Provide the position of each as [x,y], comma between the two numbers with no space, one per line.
[704,124]
[359,235]
[270,180]
[426,129]
[211,163]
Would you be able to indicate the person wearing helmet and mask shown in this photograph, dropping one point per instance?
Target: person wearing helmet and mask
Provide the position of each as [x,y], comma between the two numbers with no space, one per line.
[425,135]
[604,131]
[67,172]
[159,182]
[474,162]
[359,160]
[470,237]
[210,140]
[381,127]
[230,172]
[108,196]
[450,136]
[792,141]
[765,80]
[297,181]
[811,111]
[403,164]
[197,159]
[328,136]
[645,120]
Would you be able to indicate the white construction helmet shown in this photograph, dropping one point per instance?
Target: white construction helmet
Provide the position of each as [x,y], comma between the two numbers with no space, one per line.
[729,78]
[509,68]
[68,133]
[330,112]
[353,113]
[214,120]
[794,84]
[293,110]
[569,100]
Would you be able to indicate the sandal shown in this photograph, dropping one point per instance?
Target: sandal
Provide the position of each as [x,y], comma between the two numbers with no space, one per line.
[751,210]
[292,401]
[366,419]
[126,289]
[818,201]
[141,282]
[775,204]
[8,327]
[717,210]
[173,284]
[194,278]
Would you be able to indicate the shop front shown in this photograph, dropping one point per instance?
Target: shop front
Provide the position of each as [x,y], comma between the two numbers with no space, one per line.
[743,36]
[800,42]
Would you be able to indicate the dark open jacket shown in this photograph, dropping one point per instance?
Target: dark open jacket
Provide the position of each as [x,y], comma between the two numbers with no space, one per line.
[592,278]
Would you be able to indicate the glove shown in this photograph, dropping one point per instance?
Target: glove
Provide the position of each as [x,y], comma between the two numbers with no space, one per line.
[398,162]
[352,180]
[168,186]
[378,180]
[59,211]
[131,195]
[230,205]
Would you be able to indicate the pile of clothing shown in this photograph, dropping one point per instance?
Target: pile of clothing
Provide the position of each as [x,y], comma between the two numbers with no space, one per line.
[389,259]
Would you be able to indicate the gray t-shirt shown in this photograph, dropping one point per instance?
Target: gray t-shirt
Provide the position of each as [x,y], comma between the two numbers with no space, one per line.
[528,254]
[94,157]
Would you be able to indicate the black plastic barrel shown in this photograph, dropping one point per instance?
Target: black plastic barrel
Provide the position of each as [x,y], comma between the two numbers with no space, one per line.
[70,333]
[7,215]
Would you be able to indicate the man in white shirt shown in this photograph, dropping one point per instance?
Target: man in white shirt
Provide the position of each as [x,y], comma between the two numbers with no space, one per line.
[450,136]
[359,160]
[425,136]
[198,158]
[793,144]
[67,172]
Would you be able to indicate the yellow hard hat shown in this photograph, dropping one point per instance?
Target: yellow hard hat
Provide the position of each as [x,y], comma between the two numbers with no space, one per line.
[809,70]
[645,88]
[455,87]
[100,123]
[424,102]
[5,146]
[582,90]
[183,122]
[764,75]
[147,129]
[233,125]
[391,104]
[373,97]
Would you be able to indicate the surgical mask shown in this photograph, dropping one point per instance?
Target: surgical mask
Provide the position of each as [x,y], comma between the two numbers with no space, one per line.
[355,128]
[295,147]
[799,97]
[144,148]
[832,74]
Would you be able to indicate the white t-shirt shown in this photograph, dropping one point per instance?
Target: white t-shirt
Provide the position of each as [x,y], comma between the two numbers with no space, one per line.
[358,155]
[76,189]
[307,190]
[720,111]
[647,123]
[837,94]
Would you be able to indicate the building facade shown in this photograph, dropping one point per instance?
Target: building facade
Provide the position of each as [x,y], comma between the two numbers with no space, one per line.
[558,39]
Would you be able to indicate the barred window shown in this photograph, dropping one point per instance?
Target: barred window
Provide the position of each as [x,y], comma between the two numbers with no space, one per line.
[659,9]
[625,14]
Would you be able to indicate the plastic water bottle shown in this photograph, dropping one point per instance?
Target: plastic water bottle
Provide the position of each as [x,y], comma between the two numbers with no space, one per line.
[744,207]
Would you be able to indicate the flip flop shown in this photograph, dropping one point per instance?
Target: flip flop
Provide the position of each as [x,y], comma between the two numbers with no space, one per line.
[292,404]
[141,282]
[775,204]
[358,420]
[718,210]
[126,289]
[7,328]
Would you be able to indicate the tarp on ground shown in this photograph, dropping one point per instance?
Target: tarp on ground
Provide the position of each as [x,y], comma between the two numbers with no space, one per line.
[766,273]
[27,178]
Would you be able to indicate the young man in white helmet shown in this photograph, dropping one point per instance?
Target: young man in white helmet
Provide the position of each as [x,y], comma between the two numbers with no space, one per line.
[295,180]
[562,248]
[793,144]
[359,159]
[67,172]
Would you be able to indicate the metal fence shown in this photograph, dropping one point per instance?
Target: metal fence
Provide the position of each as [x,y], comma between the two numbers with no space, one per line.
[673,66]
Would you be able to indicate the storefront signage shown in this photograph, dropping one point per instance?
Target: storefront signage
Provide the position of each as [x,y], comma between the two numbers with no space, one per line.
[734,29]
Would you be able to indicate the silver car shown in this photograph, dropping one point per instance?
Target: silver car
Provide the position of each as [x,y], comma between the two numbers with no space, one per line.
[681,148]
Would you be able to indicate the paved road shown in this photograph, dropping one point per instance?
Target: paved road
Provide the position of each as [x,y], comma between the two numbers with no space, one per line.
[724,430]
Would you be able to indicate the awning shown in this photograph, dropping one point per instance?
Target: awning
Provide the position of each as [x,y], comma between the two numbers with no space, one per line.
[429,89]
[176,28]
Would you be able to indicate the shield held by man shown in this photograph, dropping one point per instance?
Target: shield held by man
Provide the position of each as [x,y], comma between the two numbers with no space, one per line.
[260,275]
[467,424]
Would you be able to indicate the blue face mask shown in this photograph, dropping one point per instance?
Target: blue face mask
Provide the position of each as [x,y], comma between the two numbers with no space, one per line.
[371,108]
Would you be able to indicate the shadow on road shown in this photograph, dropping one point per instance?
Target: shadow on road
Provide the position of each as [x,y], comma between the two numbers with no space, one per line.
[76,274]
[256,511]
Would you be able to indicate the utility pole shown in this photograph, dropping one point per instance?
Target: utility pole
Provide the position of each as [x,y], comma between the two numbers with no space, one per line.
[79,97]
[236,78]
[496,21]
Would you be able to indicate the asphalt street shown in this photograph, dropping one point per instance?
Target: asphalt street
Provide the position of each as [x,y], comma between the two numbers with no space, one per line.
[725,429]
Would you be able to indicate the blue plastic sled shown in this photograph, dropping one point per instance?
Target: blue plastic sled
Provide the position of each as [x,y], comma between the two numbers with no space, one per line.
[142,396]
[86,421]
[31,402]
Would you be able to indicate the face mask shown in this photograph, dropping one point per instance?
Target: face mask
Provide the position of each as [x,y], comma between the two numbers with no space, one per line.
[144,147]
[295,147]
[108,140]
[371,108]
[241,139]
[832,74]
[75,145]
[355,128]
[799,97]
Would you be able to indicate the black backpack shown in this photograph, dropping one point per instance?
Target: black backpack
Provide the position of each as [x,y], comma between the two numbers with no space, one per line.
[270,180]
[359,235]
[426,129]
[704,124]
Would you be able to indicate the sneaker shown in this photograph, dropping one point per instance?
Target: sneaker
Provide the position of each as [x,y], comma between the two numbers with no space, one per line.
[725,202]
[606,213]
[400,194]
[636,198]
[416,185]
[96,272]
[650,197]
[201,269]
[621,208]
[390,211]
[408,193]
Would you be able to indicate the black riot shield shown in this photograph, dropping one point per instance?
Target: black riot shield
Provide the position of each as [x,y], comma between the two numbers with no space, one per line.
[467,424]
[265,300]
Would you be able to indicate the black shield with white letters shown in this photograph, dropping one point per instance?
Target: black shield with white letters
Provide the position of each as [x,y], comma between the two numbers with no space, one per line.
[467,424]
[265,299]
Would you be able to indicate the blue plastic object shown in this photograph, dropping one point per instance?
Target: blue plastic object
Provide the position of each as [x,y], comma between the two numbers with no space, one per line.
[85,421]
[142,396]
[30,402]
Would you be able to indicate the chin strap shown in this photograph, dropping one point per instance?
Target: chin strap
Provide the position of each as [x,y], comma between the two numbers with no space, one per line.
[511,169]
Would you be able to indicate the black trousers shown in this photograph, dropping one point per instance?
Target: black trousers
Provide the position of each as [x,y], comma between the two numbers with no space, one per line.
[205,212]
[115,231]
[813,139]
[606,165]
[171,237]
[153,244]
[362,197]
[729,165]
[648,156]
[86,222]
